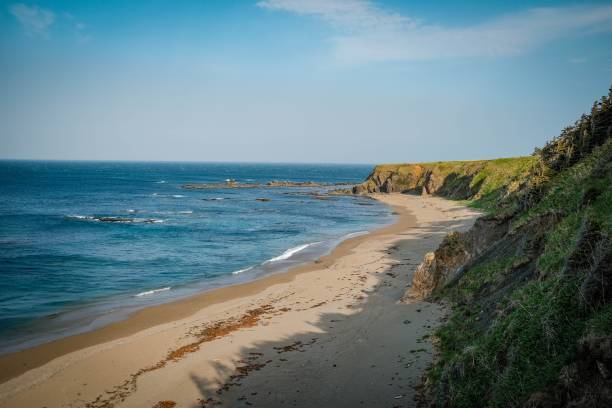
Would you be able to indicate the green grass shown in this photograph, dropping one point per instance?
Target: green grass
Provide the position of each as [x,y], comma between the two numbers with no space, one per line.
[520,353]
[476,279]
[601,209]
[567,188]
[537,327]
[501,173]
[601,322]
[559,244]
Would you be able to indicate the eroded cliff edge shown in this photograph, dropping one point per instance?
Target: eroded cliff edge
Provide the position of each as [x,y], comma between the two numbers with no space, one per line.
[484,180]
[530,284]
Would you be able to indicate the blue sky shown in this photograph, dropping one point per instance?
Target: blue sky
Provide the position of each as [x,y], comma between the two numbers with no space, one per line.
[355,81]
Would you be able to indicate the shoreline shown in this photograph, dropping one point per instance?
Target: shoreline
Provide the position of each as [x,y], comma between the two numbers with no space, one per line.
[16,363]
[122,309]
[333,324]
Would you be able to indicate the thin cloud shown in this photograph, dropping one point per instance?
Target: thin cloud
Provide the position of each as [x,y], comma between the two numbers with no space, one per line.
[578,60]
[35,20]
[368,32]
[80,33]
[346,14]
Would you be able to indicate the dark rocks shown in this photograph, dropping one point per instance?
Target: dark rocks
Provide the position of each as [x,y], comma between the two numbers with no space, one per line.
[113,219]
[270,184]
[275,183]
[119,220]
[340,191]
[210,186]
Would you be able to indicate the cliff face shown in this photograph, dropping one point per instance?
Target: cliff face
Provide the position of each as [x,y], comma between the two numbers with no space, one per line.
[457,179]
[441,267]
[531,282]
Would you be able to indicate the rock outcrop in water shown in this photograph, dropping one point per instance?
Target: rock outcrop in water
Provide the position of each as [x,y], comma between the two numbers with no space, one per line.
[118,220]
[531,281]
[269,184]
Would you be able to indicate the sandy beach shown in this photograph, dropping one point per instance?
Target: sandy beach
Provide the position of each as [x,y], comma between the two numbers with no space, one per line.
[328,333]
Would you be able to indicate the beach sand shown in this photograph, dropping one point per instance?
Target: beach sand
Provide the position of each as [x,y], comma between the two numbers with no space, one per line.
[328,333]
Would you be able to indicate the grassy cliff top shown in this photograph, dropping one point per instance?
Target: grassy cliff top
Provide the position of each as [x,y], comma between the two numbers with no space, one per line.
[480,180]
[454,163]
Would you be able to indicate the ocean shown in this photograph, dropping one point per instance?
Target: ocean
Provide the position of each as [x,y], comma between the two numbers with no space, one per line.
[83,244]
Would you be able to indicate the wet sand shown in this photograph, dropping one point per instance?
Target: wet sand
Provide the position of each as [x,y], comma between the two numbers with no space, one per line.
[330,332]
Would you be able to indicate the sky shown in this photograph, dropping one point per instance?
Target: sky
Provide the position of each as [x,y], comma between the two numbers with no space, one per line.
[319,81]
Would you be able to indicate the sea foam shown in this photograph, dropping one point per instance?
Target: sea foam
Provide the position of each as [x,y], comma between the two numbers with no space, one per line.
[151,292]
[116,220]
[242,270]
[354,234]
[82,217]
[290,252]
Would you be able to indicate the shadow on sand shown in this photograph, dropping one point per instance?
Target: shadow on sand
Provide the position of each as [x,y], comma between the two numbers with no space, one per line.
[371,353]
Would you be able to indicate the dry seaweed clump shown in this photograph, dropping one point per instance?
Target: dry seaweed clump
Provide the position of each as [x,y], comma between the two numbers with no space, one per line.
[165,404]
[208,333]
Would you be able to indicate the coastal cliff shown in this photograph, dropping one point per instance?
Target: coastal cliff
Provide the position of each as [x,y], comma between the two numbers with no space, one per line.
[485,180]
[530,283]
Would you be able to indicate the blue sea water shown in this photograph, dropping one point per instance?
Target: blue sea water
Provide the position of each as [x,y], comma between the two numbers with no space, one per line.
[63,271]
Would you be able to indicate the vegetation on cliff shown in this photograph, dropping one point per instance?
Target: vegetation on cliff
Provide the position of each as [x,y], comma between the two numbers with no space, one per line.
[531,282]
[531,325]
[484,181]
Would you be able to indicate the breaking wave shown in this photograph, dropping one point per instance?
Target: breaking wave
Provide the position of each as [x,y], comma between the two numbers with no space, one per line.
[290,252]
[152,292]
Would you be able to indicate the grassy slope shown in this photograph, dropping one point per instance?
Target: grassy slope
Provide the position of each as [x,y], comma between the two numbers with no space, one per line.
[545,319]
[500,359]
